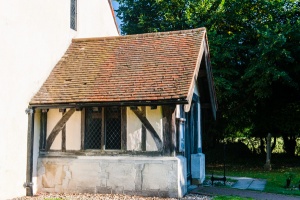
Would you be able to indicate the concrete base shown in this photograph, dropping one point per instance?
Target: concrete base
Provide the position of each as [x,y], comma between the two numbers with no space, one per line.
[198,168]
[145,176]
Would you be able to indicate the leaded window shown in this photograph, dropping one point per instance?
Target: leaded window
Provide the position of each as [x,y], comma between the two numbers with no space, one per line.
[102,128]
[73,15]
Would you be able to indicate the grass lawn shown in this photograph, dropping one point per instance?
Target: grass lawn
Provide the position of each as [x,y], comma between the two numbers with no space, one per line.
[276,178]
[230,198]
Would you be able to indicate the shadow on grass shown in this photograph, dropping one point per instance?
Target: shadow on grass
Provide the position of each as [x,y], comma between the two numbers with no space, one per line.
[251,165]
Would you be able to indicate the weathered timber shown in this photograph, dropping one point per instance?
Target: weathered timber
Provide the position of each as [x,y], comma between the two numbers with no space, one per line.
[94,152]
[82,128]
[104,104]
[58,127]
[123,129]
[43,134]
[102,130]
[29,163]
[144,132]
[63,135]
[149,127]
[168,129]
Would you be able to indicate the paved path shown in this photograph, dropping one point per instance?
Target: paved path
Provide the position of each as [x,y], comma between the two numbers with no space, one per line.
[244,187]
[249,183]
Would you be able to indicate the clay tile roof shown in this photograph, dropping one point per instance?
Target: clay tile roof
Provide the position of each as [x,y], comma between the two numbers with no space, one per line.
[144,67]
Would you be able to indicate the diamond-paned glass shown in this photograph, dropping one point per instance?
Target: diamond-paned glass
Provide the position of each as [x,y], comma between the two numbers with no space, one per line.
[93,127]
[113,127]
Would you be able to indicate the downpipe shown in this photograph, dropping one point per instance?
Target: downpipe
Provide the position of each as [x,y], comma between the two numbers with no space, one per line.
[29,162]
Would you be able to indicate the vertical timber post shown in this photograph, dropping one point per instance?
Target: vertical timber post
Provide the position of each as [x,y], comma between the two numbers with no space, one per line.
[43,135]
[169,130]
[63,133]
[144,131]
[124,128]
[30,134]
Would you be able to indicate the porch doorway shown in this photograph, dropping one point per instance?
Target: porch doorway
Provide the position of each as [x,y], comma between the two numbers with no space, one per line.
[191,136]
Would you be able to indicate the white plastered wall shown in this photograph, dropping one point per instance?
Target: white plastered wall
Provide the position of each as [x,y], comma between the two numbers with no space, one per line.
[73,129]
[34,35]
[134,129]
[155,118]
[94,19]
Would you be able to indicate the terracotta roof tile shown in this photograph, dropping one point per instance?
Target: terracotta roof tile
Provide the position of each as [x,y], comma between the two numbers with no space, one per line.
[144,67]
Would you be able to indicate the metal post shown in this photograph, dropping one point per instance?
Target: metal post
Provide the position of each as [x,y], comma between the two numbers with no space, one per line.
[30,134]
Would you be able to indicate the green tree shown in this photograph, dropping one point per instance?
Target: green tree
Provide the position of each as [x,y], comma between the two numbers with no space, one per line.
[255,48]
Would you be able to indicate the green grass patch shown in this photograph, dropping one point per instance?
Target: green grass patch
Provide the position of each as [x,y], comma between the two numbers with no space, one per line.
[276,178]
[230,198]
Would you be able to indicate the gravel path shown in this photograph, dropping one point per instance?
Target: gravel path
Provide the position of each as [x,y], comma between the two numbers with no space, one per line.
[50,196]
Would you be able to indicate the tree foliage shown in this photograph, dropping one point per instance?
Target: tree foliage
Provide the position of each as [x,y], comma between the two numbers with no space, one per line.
[255,54]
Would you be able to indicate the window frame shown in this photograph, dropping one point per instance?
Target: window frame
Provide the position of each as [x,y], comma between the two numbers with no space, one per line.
[123,132]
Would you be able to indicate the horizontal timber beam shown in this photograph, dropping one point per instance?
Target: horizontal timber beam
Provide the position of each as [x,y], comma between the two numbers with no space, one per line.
[93,104]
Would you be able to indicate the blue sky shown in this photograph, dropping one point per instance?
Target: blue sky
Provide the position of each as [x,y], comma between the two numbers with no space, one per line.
[116,5]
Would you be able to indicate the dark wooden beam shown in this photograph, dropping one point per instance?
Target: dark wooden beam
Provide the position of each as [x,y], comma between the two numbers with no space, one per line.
[58,127]
[82,128]
[123,128]
[103,104]
[149,127]
[102,129]
[43,134]
[144,131]
[168,129]
[63,135]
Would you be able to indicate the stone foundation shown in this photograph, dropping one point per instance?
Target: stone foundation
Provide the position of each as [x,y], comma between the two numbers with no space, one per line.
[145,176]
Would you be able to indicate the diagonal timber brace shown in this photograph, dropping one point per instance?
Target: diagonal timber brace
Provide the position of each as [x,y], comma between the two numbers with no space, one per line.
[149,127]
[58,127]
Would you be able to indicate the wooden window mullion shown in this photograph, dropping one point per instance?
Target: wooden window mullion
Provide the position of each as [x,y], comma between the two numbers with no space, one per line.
[103,130]
[82,128]
[123,128]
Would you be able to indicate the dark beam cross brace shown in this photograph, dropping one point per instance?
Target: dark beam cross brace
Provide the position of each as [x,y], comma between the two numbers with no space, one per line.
[58,127]
[149,127]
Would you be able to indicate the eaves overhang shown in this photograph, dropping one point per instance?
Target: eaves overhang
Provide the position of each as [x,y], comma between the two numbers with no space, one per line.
[114,103]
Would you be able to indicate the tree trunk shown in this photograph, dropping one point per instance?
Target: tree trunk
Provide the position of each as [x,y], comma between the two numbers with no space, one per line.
[289,145]
[262,145]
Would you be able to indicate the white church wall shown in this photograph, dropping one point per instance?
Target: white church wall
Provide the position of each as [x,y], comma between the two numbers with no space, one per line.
[34,35]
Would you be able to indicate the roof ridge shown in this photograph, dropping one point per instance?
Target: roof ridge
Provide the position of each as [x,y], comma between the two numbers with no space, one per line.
[140,35]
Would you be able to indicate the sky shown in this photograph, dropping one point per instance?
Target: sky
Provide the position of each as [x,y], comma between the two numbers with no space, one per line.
[116,5]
